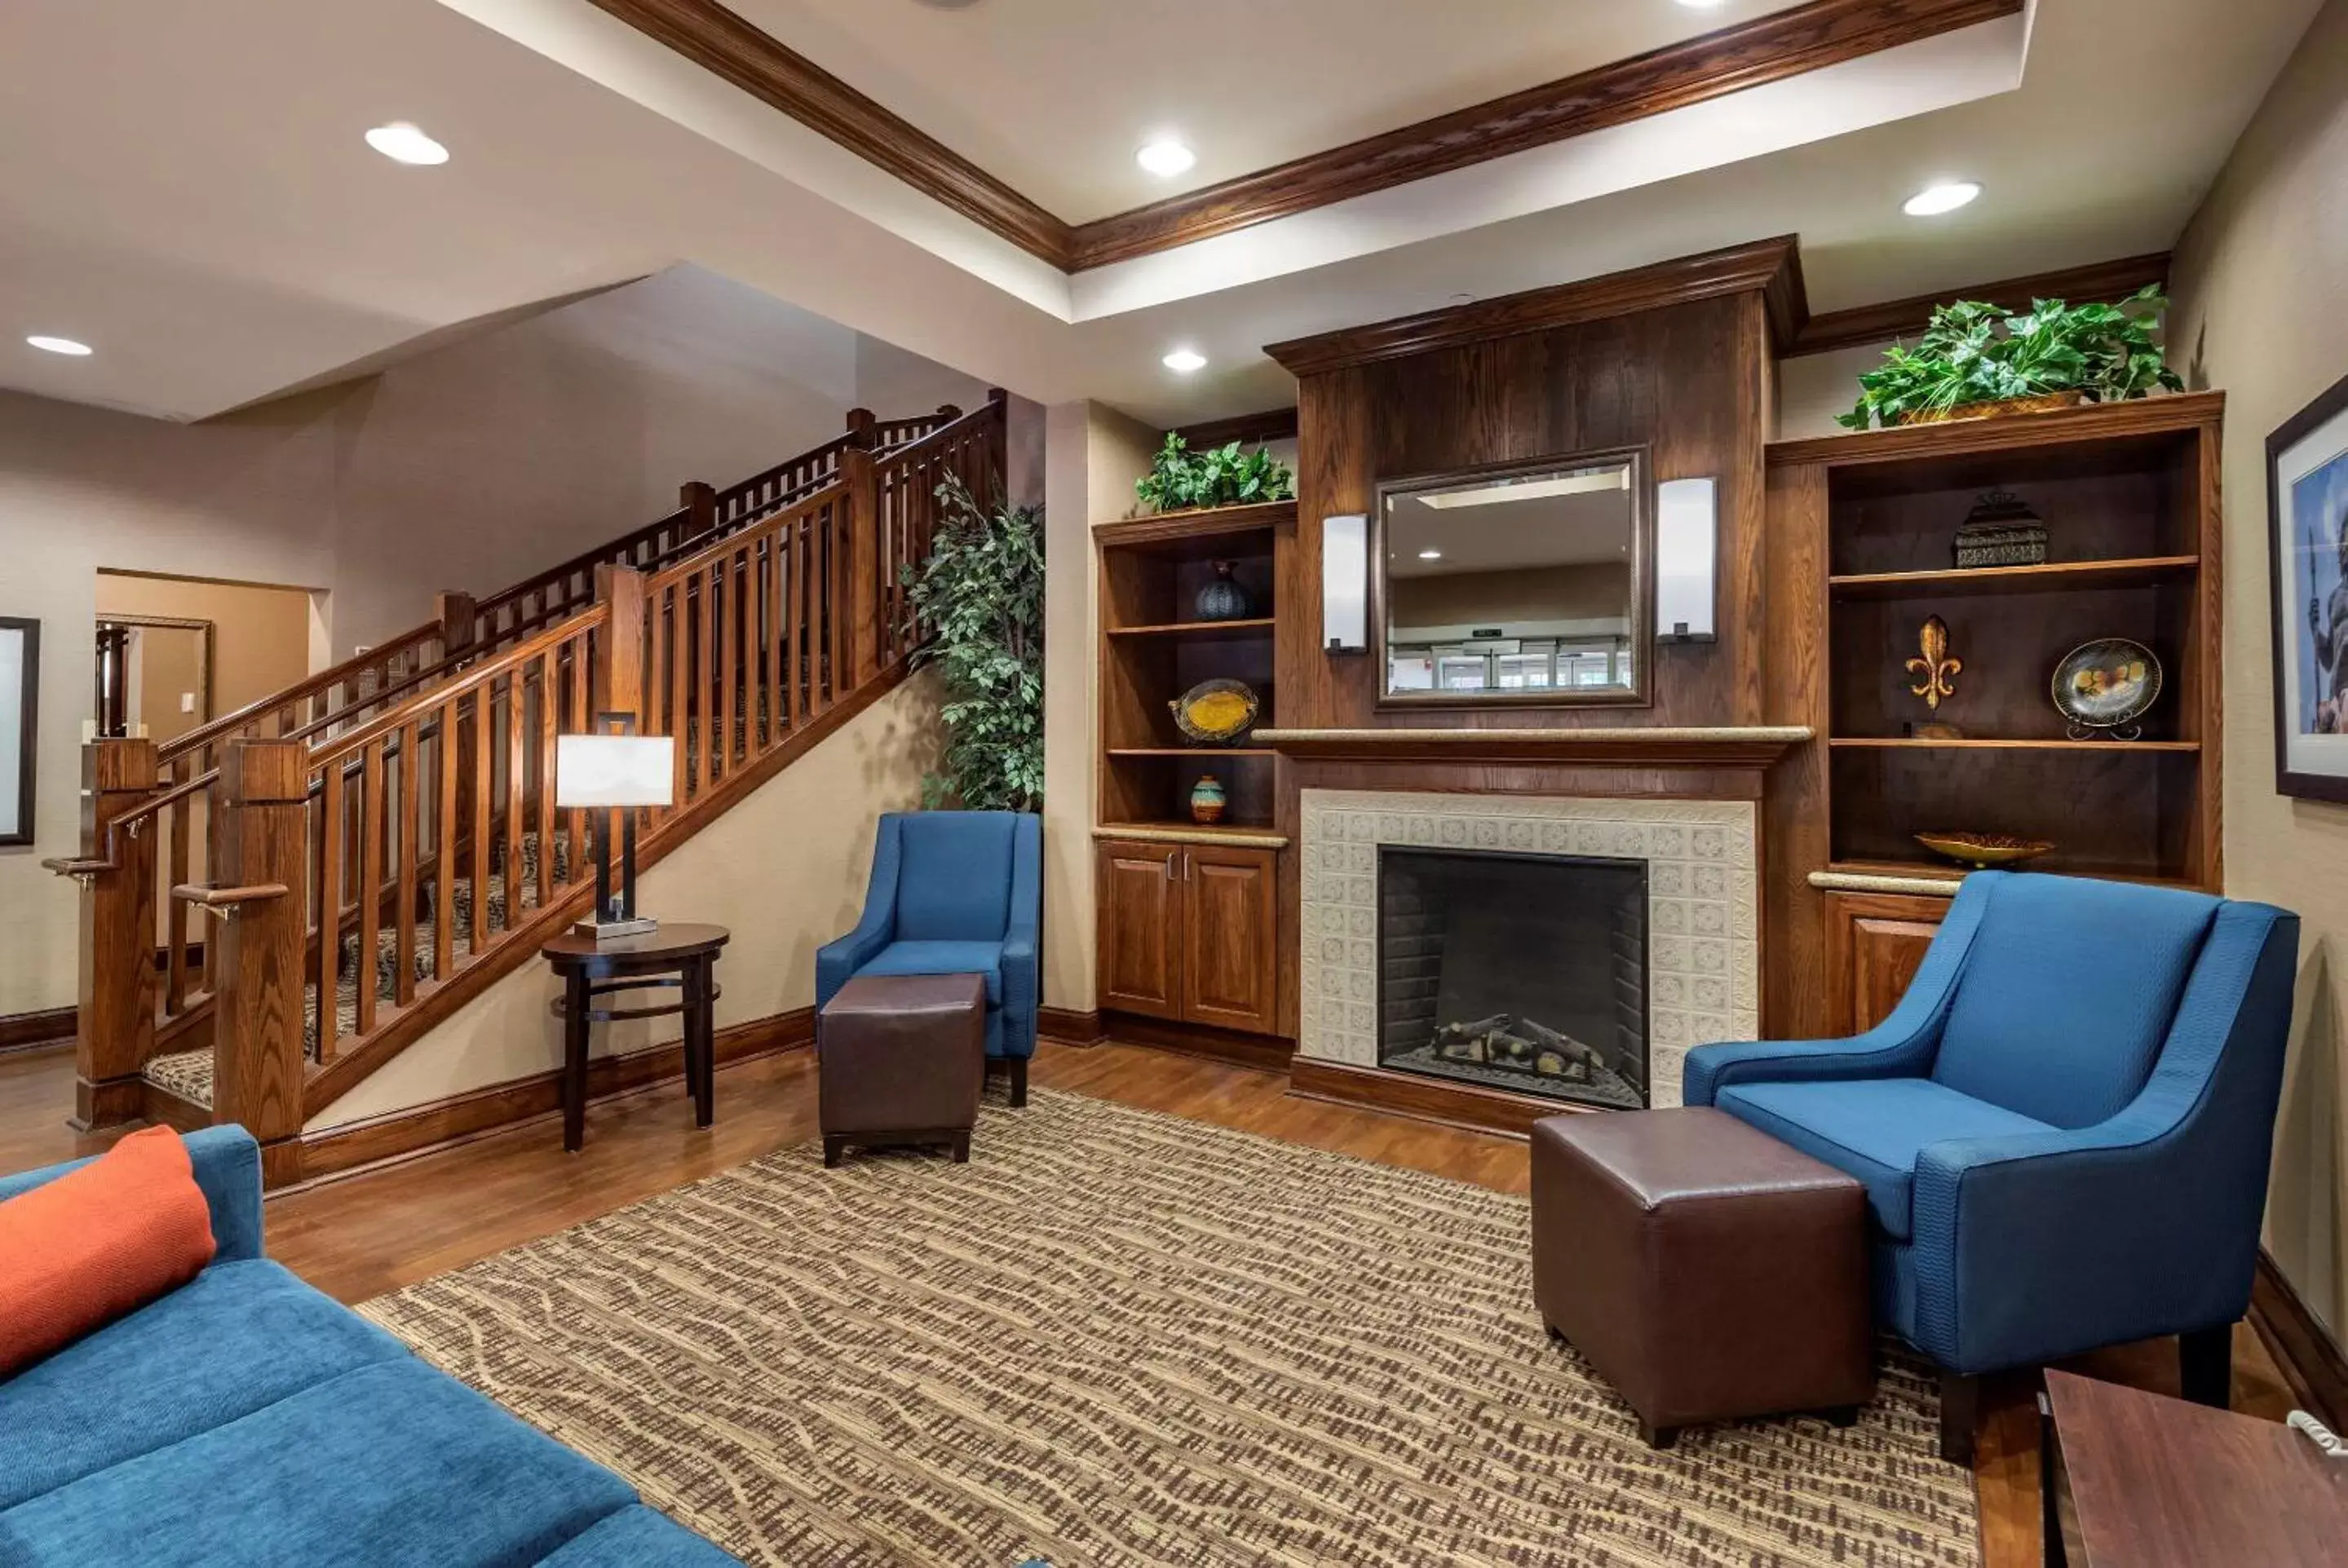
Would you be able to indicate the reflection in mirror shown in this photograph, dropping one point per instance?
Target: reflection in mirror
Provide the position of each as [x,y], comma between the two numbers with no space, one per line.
[1524,586]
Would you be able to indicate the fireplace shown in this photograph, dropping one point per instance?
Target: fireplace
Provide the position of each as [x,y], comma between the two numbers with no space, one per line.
[1516,971]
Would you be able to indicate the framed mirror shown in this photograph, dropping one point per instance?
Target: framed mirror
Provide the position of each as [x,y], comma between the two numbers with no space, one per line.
[1529,584]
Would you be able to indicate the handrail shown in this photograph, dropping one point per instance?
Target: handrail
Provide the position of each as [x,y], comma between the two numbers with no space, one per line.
[686,566]
[309,686]
[481,674]
[915,450]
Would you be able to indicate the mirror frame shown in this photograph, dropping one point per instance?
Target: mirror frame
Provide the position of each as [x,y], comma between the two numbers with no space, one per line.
[1640,693]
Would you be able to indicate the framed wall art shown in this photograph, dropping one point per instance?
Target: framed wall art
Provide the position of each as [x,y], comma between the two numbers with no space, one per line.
[2307,503]
[20,690]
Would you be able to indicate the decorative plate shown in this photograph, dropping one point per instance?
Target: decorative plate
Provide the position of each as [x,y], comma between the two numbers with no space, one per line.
[1216,713]
[2106,685]
[1981,850]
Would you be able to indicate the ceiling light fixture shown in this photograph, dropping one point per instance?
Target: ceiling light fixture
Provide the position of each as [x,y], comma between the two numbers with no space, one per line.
[1183,361]
[1430,555]
[1165,156]
[404,143]
[1945,197]
[1703,4]
[64,346]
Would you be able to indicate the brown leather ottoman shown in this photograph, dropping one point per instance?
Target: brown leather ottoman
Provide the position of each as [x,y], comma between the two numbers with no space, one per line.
[901,1059]
[1708,1271]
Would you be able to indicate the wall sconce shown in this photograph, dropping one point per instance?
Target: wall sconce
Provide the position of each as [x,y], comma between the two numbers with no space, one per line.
[1687,553]
[601,773]
[1345,583]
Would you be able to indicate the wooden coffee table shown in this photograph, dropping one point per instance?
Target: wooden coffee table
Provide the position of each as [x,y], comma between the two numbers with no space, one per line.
[679,958]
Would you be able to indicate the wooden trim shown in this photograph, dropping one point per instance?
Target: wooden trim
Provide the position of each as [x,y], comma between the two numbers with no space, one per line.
[2309,1358]
[2098,283]
[1768,49]
[1774,49]
[1614,745]
[730,48]
[1267,1053]
[1248,429]
[161,1107]
[436,1124]
[2170,413]
[31,1030]
[1212,838]
[1200,522]
[1065,1026]
[1426,1099]
[108,1103]
[1761,267]
[437,1001]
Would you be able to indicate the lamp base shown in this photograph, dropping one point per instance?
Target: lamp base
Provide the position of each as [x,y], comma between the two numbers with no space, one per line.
[609,930]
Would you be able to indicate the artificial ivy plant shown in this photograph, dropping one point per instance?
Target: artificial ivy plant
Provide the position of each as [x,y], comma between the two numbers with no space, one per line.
[981,592]
[1974,352]
[1180,478]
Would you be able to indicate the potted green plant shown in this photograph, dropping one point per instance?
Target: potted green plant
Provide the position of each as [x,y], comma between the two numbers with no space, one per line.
[981,591]
[1180,478]
[1974,359]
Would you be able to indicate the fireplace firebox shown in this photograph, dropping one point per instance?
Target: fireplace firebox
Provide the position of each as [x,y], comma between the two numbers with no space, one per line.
[1524,972]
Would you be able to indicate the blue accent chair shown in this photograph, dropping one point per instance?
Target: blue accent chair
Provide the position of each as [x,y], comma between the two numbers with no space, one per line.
[953,893]
[2063,1128]
[245,1418]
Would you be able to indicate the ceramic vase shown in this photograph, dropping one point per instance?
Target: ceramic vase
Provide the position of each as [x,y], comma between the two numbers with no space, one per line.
[1222,599]
[1207,800]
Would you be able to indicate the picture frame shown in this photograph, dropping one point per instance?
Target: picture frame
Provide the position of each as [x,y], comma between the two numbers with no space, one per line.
[20,719]
[2307,522]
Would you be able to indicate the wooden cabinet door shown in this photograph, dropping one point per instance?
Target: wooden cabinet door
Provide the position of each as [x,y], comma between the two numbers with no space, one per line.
[1874,943]
[1229,936]
[1140,895]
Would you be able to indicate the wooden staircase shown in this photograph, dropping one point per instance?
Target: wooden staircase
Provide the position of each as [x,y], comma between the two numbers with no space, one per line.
[275,905]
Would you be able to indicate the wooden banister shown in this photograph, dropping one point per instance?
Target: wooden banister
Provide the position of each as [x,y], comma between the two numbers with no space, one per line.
[350,672]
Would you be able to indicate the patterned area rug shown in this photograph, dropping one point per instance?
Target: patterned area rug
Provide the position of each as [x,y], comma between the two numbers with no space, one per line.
[1117,1337]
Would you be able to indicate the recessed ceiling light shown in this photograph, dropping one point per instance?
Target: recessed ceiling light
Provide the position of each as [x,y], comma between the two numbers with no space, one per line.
[403,143]
[1184,360]
[1430,555]
[1935,199]
[64,346]
[1703,4]
[1165,156]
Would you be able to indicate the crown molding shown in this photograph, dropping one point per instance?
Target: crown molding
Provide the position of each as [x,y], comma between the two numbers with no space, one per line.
[1767,267]
[1792,43]
[2099,282]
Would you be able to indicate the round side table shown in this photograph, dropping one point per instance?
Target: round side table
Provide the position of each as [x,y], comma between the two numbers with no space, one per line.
[679,958]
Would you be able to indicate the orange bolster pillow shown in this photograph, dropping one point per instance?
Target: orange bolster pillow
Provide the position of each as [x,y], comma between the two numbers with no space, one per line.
[98,1243]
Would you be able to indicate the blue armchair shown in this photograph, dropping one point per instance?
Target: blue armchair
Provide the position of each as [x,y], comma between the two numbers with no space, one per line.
[2064,1128]
[953,893]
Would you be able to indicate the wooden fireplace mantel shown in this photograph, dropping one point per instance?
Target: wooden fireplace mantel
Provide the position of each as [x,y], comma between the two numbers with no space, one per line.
[1624,746]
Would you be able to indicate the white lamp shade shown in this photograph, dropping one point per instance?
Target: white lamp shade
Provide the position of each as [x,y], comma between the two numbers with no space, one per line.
[1345,583]
[1687,527]
[614,770]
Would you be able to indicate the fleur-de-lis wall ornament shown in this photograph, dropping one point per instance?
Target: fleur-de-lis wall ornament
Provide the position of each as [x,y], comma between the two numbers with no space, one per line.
[1937,673]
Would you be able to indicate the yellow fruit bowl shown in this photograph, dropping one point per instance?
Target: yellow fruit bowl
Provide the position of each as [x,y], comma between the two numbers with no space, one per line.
[1982,851]
[1216,713]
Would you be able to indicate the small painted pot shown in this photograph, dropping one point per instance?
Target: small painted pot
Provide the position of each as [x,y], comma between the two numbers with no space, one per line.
[1207,800]
[1223,599]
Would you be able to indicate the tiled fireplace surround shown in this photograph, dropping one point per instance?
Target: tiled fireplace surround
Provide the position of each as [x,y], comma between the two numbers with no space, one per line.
[1703,910]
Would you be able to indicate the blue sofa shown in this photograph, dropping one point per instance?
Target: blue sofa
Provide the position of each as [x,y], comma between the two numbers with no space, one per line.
[2063,1128]
[247,1418]
[953,893]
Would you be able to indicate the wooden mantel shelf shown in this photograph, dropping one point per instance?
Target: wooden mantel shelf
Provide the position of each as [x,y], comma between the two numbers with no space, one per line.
[1634,745]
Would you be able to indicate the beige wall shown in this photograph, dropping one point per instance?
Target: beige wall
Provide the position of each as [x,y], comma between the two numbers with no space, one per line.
[2261,312]
[466,467]
[1092,457]
[262,638]
[784,871]
[1818,388]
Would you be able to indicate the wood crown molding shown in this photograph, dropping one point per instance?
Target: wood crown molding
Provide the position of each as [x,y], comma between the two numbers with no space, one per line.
[1767,267]
[2099,282]
[1771,48]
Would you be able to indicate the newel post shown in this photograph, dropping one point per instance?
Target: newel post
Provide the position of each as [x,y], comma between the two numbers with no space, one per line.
[258,909]
[619,678]
[858,584]
[699,502]
[115,1020]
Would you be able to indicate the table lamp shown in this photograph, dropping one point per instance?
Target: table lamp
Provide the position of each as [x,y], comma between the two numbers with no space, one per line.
[601,773]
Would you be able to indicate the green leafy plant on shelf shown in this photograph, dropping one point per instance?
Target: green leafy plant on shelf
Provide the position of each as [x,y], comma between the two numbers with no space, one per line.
[1977,353]
[980,593]
[1180,478]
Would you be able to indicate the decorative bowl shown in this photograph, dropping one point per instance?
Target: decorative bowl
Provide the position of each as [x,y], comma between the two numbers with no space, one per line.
[1983,850]
[1216,713]
[2106,685]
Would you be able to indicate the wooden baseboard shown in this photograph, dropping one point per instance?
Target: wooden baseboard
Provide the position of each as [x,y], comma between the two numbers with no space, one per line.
[108,1103]
[162,1108]
[2309,1358]
[32,1030]
[424,1129]
[1064,1026]
[1266,1051]
[1425,1099]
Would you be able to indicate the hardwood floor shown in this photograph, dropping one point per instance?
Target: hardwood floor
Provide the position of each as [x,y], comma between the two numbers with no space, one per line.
[362,1233]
